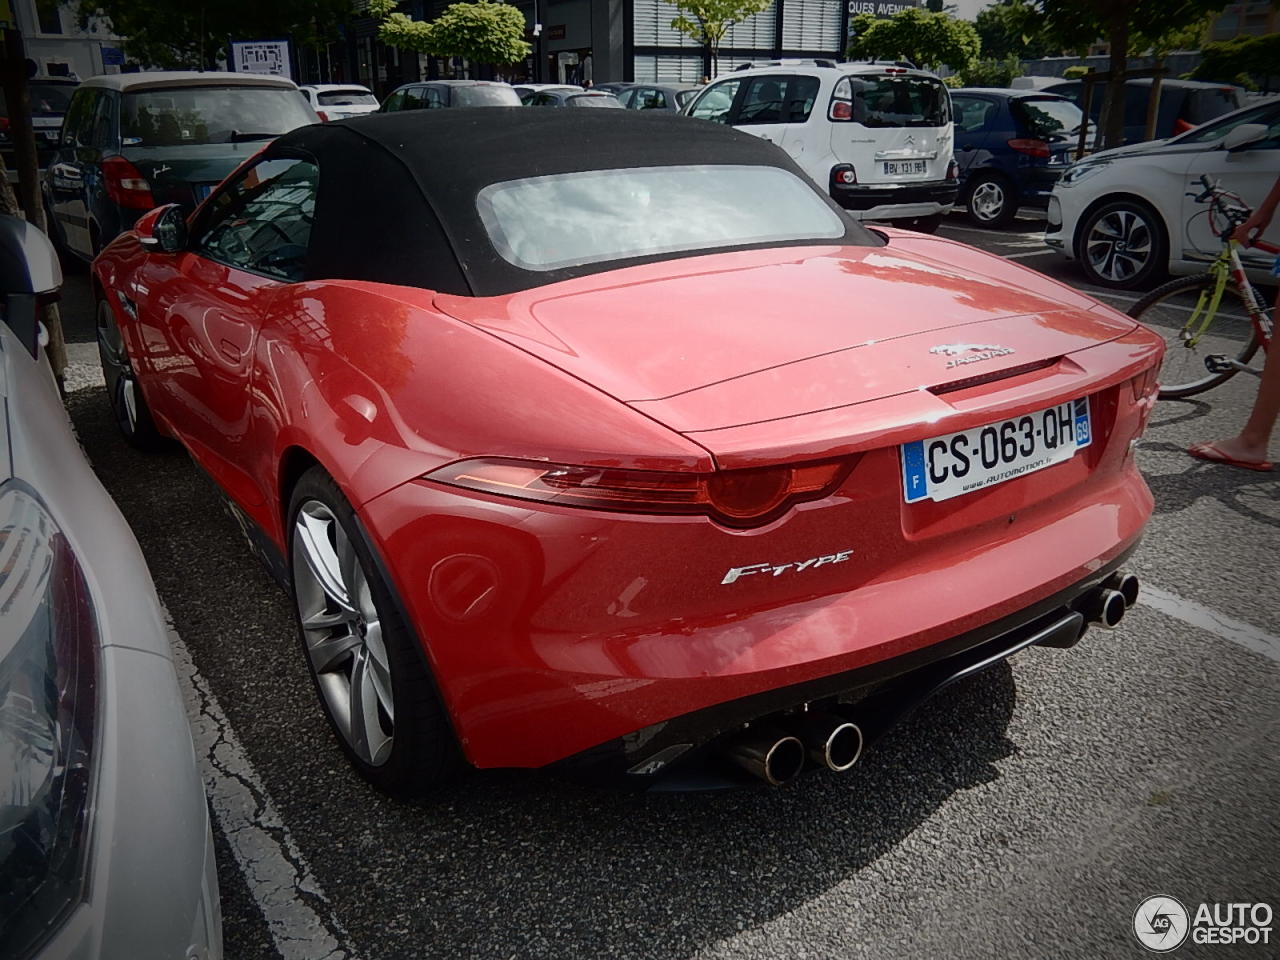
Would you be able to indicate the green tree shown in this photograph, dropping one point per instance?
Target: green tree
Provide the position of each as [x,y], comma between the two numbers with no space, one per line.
[178,34]
[484,32]
[991,73]
[1125,25]
[1012,28]
[926,39]
[1255,59]
[707,21]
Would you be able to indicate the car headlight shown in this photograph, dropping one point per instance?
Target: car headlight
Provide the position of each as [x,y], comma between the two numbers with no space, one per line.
[48,722]
[1082,171]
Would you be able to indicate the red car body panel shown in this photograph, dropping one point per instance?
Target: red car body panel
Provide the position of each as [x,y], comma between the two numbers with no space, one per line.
[552,629]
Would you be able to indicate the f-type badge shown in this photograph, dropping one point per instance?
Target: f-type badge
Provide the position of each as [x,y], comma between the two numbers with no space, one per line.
[962,353]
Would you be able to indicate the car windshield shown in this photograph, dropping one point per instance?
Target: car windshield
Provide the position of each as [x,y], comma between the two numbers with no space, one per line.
[1048,118]
[1268,114]
[888,101]
[684,96]
[179,116]
[545,223]
[346,98]
[491,96]
[593,100]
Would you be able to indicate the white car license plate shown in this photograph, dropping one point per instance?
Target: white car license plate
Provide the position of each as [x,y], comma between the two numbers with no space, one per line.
[898,168]
[958,463]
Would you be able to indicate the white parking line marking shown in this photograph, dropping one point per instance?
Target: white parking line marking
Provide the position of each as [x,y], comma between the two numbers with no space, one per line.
[1228,628]
[1030,253]
[299,916]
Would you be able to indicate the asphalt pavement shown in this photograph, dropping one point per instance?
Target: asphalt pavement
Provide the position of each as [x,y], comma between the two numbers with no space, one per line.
[1026,812]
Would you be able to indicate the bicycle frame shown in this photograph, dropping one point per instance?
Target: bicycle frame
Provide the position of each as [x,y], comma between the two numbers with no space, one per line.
[1228,268]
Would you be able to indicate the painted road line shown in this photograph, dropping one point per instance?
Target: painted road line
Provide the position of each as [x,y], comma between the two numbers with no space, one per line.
[1030,253]
[1219,624]
[297,912]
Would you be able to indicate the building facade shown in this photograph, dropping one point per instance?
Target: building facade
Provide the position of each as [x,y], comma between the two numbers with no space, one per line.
[574,41]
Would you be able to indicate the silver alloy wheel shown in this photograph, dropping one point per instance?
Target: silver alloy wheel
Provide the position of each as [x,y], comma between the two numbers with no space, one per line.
[987,201]
[343,633]
[111,350]
[1118,245]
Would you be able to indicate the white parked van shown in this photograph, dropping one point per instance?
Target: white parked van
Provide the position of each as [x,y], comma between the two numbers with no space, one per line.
[878,136]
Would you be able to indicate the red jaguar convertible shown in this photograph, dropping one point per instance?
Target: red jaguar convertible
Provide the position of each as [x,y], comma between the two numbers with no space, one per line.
[607,443]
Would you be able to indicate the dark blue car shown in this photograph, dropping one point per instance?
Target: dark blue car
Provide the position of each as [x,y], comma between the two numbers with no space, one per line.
[1011,145]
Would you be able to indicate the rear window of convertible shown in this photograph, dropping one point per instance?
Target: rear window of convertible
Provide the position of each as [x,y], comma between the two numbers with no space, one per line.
[546,223]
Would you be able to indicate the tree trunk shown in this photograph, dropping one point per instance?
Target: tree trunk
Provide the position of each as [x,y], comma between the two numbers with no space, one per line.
[1118,36]
[1153,102]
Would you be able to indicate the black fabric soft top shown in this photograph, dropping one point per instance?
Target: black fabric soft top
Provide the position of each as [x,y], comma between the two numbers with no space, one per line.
[397,192]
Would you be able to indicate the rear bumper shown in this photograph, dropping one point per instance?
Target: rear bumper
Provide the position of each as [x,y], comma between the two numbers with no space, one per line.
[552,631]
[889,200]
[682,753]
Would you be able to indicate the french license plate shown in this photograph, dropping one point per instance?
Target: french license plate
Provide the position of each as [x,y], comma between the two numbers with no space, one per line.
[968,460]
[898,168]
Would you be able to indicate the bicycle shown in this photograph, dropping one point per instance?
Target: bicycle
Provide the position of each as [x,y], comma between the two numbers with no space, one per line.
[1213,323]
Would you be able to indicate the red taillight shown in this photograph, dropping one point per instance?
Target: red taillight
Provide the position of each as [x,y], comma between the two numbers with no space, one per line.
[953,171]
[126,185]
[4,124]
[1032,148]
[845,175]
[841,110]
[738,498]
[322,115]
[1144,384]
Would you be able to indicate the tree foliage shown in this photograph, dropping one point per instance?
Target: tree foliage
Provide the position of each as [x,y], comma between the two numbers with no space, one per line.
[925,38]
[1128,26]
[487,31]
[1256,59]
[177,34]
[1012,28]
[991,73]
[707,21]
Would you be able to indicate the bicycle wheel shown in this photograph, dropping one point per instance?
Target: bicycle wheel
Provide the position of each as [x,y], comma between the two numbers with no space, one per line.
[1171,311]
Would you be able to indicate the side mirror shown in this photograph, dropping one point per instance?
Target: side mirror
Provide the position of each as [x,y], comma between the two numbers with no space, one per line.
[163,230]
[29,275]
[1244,135]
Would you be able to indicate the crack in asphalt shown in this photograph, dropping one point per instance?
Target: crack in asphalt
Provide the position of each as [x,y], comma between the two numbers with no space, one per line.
[298,914]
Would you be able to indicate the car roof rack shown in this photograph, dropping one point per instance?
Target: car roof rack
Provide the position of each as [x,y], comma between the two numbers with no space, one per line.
[882,63]
[798,62]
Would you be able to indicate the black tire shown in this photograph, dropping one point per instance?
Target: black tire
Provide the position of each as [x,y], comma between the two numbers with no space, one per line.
[421,751]
[991,200]
[927,224]
[1168,310]
[123,391]
[1122,245]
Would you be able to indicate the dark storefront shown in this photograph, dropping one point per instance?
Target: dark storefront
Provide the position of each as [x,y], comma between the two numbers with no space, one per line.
[601,40]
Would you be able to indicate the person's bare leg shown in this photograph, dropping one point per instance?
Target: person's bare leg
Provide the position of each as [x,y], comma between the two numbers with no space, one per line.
[1251,443]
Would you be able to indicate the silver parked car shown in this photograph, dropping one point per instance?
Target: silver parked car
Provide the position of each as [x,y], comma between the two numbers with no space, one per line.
[105,842]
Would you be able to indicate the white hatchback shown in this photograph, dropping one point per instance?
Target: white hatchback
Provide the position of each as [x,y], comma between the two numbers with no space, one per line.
[878,137]
[1129,214]
[336,101]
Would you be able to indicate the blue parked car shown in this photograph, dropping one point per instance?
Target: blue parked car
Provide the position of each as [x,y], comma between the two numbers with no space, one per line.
[1011,145]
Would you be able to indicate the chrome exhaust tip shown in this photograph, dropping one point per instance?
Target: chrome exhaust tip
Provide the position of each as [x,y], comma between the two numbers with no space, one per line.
[1125,584]
[831,742]
[1106,607]
[766,752]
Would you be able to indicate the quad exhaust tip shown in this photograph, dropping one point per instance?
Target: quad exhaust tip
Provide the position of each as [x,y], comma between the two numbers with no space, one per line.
[766,752]
[831,742]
